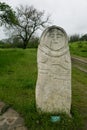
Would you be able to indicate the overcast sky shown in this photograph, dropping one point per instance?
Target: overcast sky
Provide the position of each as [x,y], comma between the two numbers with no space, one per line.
[68,14]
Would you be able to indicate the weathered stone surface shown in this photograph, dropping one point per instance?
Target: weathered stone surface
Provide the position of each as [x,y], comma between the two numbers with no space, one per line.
[10,113]
[2,121]
[11,120]
[1,106]
[18,123]
[53,88]
[4,127]
[21,128]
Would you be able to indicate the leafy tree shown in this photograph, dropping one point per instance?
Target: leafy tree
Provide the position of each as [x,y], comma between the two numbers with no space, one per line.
[84,37]
[74,38]
[7,15]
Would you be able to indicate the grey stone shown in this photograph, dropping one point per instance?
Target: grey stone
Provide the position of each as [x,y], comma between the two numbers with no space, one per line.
[53,88]
[2,120]
[18,123]
[11,120]
[5,126]
[10,113]
[1,106]
[21,128]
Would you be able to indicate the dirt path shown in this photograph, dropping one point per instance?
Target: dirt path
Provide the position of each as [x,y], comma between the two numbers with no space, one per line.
[80,63]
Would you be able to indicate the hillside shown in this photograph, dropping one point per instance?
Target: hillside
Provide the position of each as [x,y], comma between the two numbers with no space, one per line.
[78,48]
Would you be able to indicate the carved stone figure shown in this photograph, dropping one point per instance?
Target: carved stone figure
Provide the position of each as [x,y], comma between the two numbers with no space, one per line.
[53,88]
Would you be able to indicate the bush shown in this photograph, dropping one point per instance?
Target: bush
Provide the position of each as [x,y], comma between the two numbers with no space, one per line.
[17,45]
[33,43]
[5,45]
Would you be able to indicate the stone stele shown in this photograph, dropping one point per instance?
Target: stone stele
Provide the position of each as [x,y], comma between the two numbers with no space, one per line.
[53,88]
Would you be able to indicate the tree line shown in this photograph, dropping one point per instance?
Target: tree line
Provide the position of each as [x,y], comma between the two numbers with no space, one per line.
[77,37]
[22,24]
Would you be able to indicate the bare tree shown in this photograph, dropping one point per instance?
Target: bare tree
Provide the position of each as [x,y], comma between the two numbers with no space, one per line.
[29,21]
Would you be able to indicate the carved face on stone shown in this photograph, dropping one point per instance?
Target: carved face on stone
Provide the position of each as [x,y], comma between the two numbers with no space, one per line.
[55,39]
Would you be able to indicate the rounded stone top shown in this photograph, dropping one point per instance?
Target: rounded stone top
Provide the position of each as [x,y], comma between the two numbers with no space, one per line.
[54,37]
[54,27]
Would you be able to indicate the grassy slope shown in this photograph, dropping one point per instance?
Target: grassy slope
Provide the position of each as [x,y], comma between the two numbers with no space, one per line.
[79,93]
[18,73]
[79,48]
[79,79]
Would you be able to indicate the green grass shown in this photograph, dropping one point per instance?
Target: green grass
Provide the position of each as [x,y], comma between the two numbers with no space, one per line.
[18,74]
[79,48]
[79,92]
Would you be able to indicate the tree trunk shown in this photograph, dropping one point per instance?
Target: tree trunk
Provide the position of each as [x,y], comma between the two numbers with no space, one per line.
[25,43]
[24,46]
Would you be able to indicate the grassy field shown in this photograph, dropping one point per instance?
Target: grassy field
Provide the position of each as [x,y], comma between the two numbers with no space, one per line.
[79,48]
[18,74]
